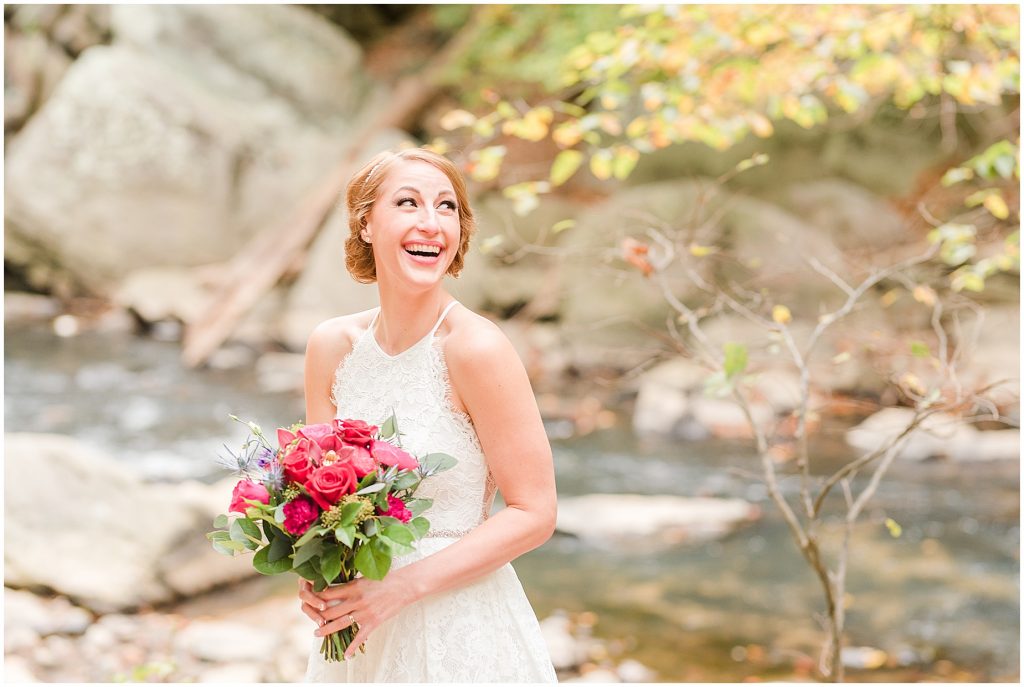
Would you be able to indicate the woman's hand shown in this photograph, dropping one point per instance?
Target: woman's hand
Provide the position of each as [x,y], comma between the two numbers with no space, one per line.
[365,602]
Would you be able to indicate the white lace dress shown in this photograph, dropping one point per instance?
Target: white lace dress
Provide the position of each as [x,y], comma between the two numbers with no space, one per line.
[484,631]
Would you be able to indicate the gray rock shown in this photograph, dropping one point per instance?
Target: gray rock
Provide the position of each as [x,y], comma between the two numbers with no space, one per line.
[565,652]
[280,372]
[634,520]
[631,670]
[934,437]
[18,670]
[659,409]
[225,642]
[233,672]
[1001,444]
[162,293]
[724,417]
[43,616]
[298,53]
[851,215]
[27,307]
[127,540]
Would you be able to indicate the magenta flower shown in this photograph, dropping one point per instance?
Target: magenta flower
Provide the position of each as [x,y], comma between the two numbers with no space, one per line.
[299,514]
[397,509]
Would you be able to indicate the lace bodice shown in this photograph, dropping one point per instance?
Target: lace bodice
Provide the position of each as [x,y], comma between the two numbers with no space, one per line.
[369,384]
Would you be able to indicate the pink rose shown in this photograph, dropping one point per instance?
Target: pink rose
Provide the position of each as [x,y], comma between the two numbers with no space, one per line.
[389,454]
[299,514]
[328,484]
[301,459]
[323,434]
[359,458]
[247,489]
[355,432]
[396,509]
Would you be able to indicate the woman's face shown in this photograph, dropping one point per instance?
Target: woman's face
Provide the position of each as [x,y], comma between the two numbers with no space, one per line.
[414,225]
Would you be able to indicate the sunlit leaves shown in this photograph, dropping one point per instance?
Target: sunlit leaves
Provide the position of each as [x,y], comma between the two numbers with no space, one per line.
[565,165]
[781,314]
[484,164]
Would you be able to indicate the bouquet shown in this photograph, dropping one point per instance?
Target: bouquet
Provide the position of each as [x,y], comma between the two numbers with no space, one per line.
[331,501]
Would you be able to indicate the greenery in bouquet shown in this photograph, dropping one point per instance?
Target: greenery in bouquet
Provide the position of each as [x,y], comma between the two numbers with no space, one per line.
[331,501]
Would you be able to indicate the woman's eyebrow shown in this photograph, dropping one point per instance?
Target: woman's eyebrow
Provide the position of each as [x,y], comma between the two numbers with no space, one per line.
[417,191]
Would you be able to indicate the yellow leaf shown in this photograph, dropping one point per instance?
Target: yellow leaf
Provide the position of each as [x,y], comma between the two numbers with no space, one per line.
[840,358]
[995,204]
[559,227]
[565,165]
[894,527]
[890,297]
[456,119]
[624,162]
[699,251]
[601,165]
[924,294]
[488,245]
[912,382]
[781,314]
[567,135]
[760,124]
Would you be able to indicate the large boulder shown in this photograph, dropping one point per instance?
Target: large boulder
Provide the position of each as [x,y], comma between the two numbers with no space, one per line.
[180,142]
[650,521]
[81,524]
[938,435]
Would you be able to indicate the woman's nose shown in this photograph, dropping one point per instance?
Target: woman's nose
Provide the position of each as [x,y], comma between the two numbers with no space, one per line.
[428,221]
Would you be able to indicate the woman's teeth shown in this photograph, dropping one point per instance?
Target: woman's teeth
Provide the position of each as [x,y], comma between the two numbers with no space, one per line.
[423,250]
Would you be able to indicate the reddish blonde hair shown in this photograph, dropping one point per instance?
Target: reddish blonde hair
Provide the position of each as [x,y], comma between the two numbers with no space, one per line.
[361,194]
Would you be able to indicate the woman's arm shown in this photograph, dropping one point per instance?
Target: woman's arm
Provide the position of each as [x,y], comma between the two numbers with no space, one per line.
[491,381]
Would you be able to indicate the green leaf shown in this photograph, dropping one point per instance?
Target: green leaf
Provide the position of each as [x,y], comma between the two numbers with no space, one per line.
[373,560]
[434,463]
[307,571]
[919,349]
[418,506]
[565,165]
[330,563]
[370,527]
[399,533]
[221,521]
[419,527]
[367,480]
[407,480]
[735,359]
[346,535]
[218,535]
[238,534]
[389,428]
[310,533]
[373,488]
[348,513]
[559,227]
[385,521]
[280,544]
[307,552]
[265,567]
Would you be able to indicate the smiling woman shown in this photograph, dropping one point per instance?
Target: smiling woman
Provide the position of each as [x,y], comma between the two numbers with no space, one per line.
[454,610]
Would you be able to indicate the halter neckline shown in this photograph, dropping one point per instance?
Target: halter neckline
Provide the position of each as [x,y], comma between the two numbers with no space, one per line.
[373,337]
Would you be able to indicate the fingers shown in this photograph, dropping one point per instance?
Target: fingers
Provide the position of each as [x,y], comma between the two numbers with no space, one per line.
[335,625]
[357,641]
[313,615]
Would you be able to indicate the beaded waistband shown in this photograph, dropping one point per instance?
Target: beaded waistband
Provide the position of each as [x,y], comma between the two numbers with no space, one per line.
[440,534]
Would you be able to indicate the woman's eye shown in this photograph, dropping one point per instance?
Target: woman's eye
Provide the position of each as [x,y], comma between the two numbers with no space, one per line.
[450,204]
[403,201]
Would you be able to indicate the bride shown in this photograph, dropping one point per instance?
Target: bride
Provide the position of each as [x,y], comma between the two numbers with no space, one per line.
[454,610]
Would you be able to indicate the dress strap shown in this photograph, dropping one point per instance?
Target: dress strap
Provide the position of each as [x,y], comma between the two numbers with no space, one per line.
[444,313]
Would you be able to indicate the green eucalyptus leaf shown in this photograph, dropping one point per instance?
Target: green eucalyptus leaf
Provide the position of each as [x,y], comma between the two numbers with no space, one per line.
[371,489]
[418,506]
[348,513]
[310,533]
[419,527]
[265,567]
[280,547]
[221,521]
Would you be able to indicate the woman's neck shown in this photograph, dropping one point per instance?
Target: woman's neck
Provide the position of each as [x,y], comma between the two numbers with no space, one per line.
[406,318]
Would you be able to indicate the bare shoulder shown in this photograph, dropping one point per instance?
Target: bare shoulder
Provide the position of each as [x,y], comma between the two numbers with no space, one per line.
[472,340]
[338,334]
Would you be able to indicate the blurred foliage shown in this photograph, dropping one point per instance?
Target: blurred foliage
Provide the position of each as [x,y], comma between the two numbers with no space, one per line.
[604,85]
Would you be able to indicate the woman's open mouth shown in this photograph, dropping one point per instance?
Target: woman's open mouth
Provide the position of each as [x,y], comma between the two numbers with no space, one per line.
[425,254]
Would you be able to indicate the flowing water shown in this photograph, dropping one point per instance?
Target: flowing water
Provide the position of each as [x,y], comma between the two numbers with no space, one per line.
[941,599]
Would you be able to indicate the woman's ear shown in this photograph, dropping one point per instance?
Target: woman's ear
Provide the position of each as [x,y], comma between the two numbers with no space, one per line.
[366,234]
